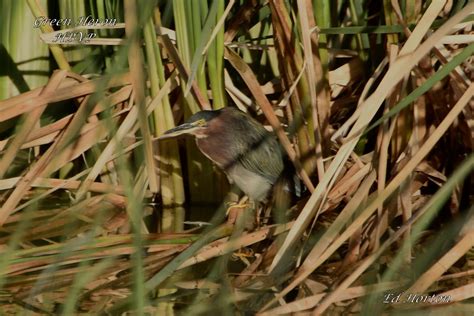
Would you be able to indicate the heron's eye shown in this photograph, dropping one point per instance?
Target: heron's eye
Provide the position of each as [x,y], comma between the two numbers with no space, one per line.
[201,123]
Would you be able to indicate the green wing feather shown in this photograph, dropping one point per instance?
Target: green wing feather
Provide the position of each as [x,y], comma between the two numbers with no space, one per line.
[259,152]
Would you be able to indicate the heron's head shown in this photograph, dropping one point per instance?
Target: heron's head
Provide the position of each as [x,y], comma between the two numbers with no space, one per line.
[197,125]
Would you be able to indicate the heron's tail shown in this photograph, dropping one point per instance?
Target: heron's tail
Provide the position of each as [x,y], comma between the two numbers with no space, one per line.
[285,190]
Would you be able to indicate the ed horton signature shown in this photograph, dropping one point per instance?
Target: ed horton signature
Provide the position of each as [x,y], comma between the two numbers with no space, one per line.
[415,298]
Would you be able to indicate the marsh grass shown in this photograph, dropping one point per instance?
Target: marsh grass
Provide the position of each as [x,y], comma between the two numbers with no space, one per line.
[371,101]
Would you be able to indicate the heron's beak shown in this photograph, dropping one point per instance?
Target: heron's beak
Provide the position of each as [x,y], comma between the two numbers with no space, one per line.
[186,128]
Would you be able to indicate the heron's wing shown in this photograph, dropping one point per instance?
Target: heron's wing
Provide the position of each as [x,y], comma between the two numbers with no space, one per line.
[246,142]
[261,154]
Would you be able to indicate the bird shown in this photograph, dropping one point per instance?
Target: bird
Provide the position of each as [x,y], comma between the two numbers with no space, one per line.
[241,147]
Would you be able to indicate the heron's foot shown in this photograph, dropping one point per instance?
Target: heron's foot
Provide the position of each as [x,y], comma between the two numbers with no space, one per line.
[243,203]
[235,210]
[242,255]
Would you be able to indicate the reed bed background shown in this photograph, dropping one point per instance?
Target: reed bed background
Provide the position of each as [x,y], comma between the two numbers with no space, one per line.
[371,100]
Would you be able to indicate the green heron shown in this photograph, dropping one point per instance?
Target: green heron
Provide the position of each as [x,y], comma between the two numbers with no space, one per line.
[249,155]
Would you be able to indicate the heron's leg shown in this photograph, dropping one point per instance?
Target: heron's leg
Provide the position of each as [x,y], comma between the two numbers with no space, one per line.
[264,214]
